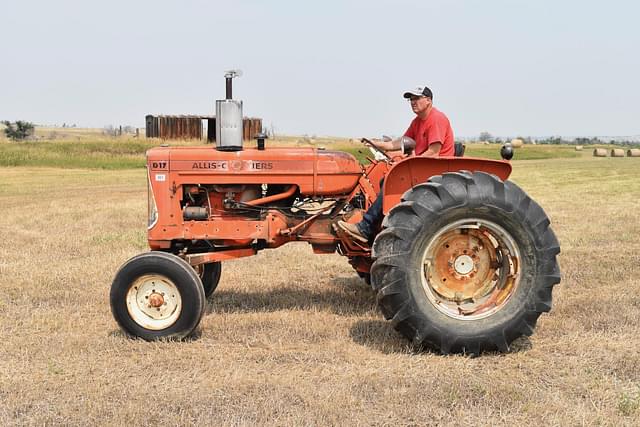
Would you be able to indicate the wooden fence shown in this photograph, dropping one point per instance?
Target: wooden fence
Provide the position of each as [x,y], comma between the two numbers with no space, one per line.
[192,127]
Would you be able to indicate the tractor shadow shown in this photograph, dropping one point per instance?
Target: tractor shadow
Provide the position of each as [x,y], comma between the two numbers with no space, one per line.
[343,296]
[379,335]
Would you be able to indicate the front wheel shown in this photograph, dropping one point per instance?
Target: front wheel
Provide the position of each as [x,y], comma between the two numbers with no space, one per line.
[209,276]
[157,295]
[465,263]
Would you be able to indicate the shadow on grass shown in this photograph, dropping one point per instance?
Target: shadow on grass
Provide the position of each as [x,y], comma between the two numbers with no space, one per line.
[379,335]
[193,336]
[345,296]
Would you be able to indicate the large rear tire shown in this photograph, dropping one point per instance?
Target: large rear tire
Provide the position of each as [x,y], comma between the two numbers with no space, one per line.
[465,263]
[157,295]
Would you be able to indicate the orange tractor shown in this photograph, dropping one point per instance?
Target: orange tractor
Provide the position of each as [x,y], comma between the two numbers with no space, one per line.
[464,261]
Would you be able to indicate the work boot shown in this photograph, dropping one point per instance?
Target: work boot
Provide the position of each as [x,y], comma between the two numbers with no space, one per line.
[353,231]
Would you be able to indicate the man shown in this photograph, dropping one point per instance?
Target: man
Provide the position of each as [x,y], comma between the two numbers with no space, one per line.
[433,137]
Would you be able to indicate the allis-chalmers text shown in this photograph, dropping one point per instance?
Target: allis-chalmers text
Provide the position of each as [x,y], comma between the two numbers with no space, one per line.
[224,165]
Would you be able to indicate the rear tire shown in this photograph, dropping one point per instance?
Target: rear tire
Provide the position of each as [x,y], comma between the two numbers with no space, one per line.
[157,295]
[465,263]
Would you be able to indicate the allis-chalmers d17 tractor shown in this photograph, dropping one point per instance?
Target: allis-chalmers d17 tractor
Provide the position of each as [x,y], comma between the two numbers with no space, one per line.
[465,260]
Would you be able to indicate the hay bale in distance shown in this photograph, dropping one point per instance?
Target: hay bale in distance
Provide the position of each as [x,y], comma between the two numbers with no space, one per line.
[617,152]
[579,147]
[599,152]
[517,143]
[633,152]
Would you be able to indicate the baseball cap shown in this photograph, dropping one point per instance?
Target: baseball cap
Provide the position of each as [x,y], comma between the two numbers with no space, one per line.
[419,91]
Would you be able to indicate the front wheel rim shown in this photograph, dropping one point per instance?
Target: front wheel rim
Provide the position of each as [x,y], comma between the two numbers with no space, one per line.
[470,269]
[154,302]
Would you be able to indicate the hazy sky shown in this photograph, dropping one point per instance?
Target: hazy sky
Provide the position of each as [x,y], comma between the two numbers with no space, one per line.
[327,67]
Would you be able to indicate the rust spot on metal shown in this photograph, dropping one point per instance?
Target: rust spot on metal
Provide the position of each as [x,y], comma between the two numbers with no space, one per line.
[156,300]
[463,267]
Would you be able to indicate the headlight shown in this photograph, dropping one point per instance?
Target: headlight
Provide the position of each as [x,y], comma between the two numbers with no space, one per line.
[151,204]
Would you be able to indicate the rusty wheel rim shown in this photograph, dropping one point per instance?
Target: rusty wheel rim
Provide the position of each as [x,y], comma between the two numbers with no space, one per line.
[471,268]
[154,302]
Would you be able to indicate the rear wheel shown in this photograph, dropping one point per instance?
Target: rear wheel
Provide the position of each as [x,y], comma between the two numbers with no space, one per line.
[465,263]
[157,295]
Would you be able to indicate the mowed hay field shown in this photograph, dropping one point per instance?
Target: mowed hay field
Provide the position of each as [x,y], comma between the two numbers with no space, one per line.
[293,338]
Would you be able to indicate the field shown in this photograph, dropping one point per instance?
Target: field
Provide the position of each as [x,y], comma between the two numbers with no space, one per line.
[123,153]
[293,338]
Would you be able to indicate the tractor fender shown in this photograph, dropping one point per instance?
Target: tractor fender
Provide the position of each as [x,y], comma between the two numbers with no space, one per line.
[412,171]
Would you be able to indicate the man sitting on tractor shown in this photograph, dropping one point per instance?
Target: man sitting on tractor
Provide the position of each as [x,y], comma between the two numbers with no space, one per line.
[433,137]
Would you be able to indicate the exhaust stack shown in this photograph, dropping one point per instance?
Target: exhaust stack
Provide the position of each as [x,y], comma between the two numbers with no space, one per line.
[229,118]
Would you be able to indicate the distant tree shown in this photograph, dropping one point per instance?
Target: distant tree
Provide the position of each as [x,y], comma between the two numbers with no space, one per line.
[110,130]
[19,130]
[486,136]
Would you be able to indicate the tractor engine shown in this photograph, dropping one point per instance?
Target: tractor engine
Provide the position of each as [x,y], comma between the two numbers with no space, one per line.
[200,193]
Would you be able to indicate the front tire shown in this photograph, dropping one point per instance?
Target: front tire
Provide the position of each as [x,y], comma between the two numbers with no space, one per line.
[209,276]
[157,295]
[466,263]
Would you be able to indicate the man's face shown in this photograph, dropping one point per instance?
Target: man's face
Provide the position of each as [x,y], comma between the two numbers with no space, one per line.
[420,104]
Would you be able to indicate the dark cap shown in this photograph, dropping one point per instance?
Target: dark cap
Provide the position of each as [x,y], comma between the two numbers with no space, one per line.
[419,91]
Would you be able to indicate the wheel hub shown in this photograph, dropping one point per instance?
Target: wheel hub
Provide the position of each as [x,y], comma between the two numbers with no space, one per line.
[154,302]
[463,264]
[471,267]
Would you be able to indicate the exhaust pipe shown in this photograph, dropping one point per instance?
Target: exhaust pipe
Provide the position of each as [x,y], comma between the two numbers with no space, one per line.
[229,117]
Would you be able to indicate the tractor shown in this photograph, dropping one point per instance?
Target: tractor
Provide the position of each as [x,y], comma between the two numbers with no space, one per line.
[464,260]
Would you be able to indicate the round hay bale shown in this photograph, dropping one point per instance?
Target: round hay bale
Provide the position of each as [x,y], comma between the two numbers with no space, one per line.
[633,152]
[579,147]
[517,143]
[617,152]
[599,152]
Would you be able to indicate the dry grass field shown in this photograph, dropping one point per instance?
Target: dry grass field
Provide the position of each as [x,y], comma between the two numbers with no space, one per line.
[292,338]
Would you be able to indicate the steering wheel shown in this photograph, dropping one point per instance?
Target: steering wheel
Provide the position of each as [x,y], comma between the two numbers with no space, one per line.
[375,149]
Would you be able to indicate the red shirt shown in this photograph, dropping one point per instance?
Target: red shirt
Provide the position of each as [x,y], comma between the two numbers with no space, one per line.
[435,128]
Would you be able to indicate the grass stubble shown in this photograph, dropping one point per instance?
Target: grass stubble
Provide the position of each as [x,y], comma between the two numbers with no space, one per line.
[293,338]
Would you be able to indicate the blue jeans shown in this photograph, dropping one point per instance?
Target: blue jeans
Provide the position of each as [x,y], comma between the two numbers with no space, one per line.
[372,216]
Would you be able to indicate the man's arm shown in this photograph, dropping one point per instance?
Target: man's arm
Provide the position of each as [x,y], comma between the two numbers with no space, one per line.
[399,144]
[386,145]
[433,150]
[402,145]
[435,136]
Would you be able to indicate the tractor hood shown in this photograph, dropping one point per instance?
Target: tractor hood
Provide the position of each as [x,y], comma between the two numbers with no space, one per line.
[315,171]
